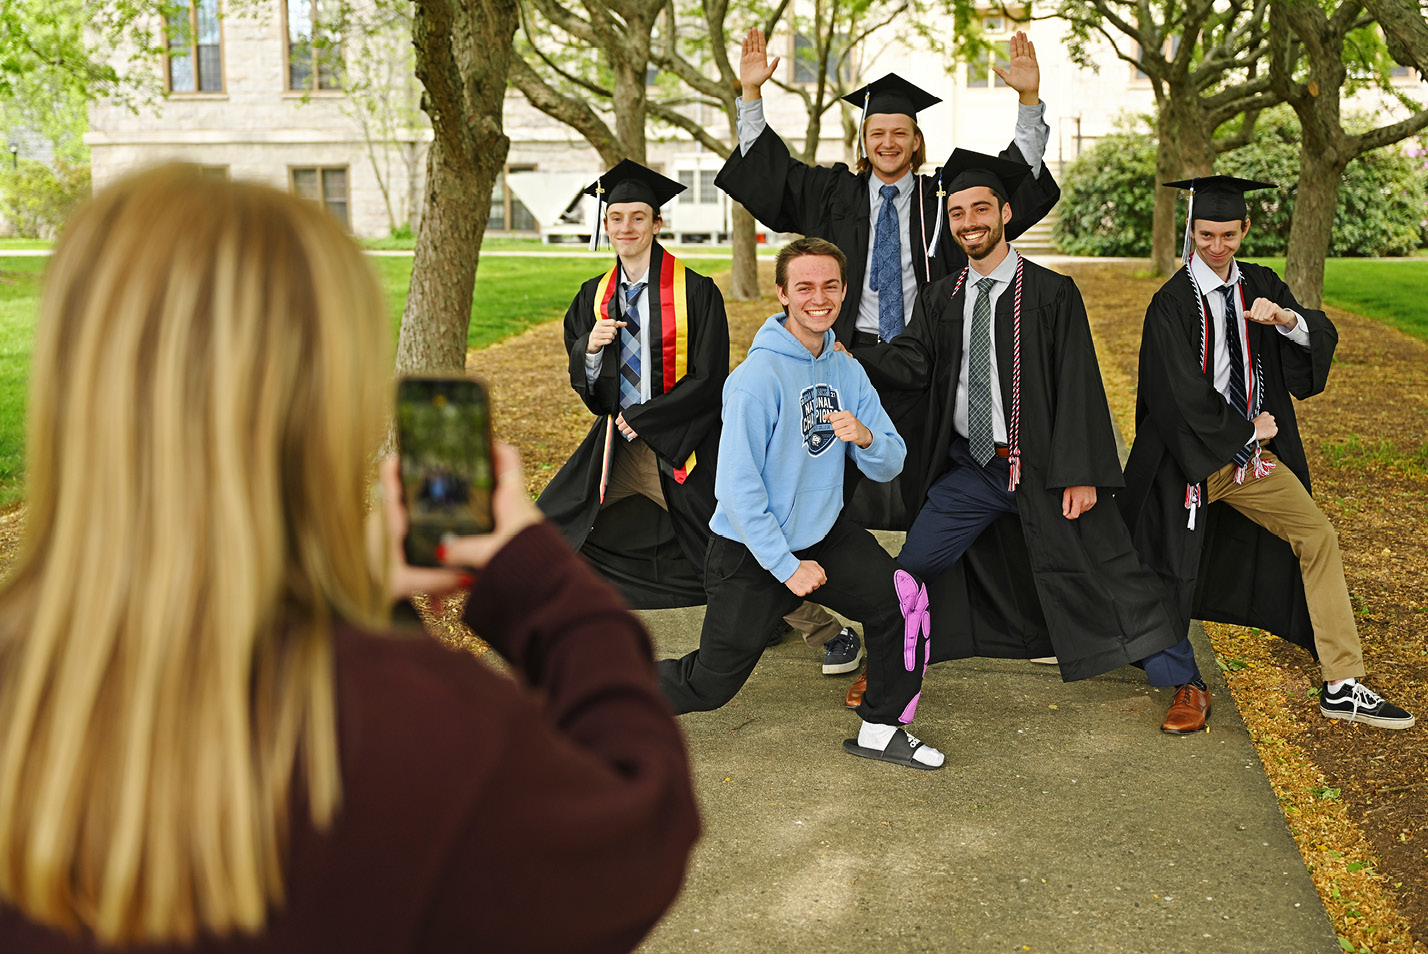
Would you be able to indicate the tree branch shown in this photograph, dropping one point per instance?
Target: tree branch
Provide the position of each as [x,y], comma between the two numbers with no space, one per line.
[572,112]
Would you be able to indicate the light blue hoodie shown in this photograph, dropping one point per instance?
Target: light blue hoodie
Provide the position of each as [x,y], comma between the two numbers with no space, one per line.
[780,478]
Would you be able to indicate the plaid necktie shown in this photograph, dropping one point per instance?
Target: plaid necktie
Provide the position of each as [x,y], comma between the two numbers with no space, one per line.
[886,276]
[630,348]
[979,376]
[1239,389]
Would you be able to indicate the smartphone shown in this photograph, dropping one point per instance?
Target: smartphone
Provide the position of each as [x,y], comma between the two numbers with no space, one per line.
[444,445]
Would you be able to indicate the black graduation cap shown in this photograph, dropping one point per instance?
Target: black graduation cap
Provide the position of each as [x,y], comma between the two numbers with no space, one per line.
[1216,198]
[889,94]
[965,169]
[1219,198]
[629,181]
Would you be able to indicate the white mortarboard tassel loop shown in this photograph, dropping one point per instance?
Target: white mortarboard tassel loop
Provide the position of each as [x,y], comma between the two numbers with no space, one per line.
[863,121]
[599,219]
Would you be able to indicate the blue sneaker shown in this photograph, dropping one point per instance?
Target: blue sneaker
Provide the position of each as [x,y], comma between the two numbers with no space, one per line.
[842,653]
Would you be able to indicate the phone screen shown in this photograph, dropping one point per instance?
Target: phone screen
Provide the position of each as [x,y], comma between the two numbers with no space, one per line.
[444,441]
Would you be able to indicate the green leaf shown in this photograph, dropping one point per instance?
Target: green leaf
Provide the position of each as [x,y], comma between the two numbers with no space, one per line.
[1345,943]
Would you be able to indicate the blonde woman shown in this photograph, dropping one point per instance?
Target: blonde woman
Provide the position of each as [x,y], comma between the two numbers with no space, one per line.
[208,741]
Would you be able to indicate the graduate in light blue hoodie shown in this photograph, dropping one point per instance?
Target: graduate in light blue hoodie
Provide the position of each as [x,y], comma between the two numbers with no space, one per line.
[794,412]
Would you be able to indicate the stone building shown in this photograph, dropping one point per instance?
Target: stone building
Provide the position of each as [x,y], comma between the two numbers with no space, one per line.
[259,94]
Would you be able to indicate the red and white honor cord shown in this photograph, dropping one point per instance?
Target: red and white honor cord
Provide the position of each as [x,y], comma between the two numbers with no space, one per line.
[1194,496]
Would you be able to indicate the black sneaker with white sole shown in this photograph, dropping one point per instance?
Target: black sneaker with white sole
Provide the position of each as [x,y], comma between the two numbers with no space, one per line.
[1355,702]
[842,653]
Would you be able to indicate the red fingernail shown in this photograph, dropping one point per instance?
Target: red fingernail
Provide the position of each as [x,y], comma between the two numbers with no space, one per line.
[465,581]
[441,553]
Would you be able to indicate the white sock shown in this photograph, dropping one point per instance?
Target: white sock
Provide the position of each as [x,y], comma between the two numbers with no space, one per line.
[875,736]
[1334,686]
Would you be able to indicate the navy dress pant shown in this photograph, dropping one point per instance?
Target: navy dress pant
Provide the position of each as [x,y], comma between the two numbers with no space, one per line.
[963,502]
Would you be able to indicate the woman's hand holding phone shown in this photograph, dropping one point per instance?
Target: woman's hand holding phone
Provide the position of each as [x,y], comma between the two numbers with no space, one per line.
[512,508]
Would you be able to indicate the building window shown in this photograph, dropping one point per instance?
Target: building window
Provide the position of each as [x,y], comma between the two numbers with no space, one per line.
[979,71]
[708,191]
[325,186]
[314,45]
[805,60]
[686,179]
[509,213]
[195,53]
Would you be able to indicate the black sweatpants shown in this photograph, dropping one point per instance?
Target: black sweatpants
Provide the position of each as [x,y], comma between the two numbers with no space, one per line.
[745,601]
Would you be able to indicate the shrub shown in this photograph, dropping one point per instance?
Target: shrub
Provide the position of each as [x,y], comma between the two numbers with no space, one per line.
[37,200]
[1107,197]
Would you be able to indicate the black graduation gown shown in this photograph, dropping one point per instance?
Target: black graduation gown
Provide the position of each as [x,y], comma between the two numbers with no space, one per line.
[655,559]
[1033,583]
[833,203]
[1227,569]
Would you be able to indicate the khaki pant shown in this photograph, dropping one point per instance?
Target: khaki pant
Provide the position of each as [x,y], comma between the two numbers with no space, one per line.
[814,623]
[634,472]
[1279,503]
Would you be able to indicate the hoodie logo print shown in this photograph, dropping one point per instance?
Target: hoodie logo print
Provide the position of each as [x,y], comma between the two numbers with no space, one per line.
[817,401]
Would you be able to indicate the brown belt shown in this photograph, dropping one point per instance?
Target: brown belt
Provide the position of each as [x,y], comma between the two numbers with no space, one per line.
[1002,451]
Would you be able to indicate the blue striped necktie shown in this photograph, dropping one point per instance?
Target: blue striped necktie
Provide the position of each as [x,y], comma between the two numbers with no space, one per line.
[630,348]
[886,276]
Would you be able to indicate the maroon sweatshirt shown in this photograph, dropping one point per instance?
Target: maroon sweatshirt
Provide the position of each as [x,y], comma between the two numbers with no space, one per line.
[480,814]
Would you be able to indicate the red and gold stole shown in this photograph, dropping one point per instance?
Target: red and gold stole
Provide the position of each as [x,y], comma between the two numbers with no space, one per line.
[667,317]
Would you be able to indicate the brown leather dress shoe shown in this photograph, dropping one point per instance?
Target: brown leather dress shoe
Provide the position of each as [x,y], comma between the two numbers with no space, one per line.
[1188,712]
[856,690]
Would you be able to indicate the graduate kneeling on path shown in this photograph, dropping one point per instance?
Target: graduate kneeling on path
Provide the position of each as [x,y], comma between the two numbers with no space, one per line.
[1236,536]
[1020,553]
[794,411]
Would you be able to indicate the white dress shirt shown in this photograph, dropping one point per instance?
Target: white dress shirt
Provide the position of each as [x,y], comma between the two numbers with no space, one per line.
[1210,285]
[1031,135]
[1003,274]
[592,361]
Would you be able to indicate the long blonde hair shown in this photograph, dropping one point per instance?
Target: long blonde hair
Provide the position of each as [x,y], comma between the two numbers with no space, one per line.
[207,388]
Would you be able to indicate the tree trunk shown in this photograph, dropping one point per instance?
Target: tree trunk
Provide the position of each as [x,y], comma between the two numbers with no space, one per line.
[463,49]
[744,276]
[1312,228]
[438,310]
[1185,151]
[1164,243]
[629,103]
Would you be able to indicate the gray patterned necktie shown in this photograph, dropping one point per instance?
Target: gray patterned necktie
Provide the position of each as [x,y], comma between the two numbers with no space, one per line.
[979,376]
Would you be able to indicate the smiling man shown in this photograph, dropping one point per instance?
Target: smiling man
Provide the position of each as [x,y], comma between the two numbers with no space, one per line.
[1217,485]
[887,215]
[649,353]
[794,412]
[1021,553]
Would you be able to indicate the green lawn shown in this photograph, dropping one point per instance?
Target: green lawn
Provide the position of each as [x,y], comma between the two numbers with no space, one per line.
[513,294]
[19,303]
[1390,290]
